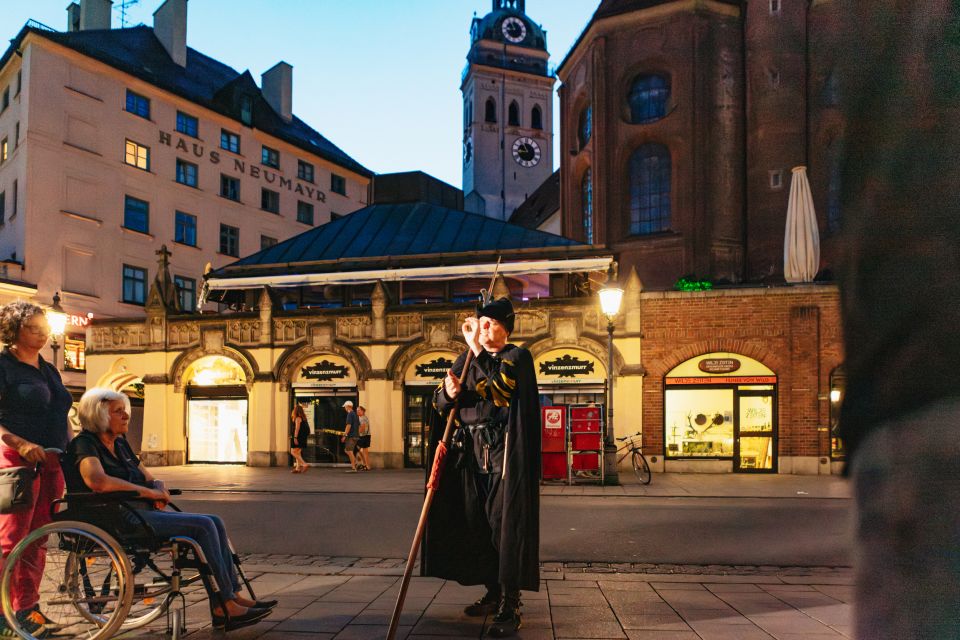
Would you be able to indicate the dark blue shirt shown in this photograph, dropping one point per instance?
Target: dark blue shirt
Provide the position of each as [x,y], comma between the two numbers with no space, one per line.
[353,425]
[122,463]
[34,404]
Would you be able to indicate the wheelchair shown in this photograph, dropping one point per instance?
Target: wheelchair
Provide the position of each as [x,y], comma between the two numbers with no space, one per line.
[103,575]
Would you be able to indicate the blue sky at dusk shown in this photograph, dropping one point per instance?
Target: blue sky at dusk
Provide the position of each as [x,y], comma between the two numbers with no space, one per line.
[379,78]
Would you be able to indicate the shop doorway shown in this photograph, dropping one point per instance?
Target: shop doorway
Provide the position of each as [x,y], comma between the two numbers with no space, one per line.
[217,426]
[418,408]
[326,418]
[755,432]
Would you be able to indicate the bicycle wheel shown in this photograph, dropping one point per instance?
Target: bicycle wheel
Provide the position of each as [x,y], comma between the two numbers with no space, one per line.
[84,582]
[640,467]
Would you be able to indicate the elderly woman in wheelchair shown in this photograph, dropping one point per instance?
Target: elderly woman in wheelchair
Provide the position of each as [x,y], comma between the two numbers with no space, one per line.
[104,568]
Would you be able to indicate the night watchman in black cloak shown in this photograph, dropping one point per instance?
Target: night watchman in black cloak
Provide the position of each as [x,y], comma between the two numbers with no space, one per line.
[484,527]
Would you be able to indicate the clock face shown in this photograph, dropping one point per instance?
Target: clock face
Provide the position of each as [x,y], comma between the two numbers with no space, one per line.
[526,152]
[514,29]
[467,150]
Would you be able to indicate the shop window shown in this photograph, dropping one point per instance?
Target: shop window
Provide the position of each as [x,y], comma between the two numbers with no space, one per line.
[187,124]
[74,353]
[186,173]
[648,98]
[585,126]
[650,175]
[138,105]
[185,229]
[838,390]
[304,212]
[536,117]
[137,155]
[699,423]
[229,141]
[186,292]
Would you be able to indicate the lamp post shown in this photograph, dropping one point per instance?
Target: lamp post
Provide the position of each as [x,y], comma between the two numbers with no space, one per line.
[610,298]
[57,320]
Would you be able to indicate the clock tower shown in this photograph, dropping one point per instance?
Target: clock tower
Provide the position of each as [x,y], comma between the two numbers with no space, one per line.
[507,111]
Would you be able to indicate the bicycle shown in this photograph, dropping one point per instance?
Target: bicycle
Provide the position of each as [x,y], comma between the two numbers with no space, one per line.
[640,466]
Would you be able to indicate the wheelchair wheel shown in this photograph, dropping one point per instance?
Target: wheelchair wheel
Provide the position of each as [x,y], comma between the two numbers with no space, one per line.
[84,587]
[151,588]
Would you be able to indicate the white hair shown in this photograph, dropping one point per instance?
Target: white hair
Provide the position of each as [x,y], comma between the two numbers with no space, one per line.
[94,408]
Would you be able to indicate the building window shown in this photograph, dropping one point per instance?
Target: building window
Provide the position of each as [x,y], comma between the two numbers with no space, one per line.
[338,184]
[490,111]
[4,151]
[185,229]
[230,187]
[513,114]
[229,240]
[304,212]
[186,173]
[229,141]
[648,98]
[74,353]
[137,155]
[134,284]
[650,189]
[774,7]
[186,292]
[585,126]
[586,204]
[776,179]
[187,124]
[138,104]
[19,81]
[536,117]
[270,157]
[270,200]
[304,171]
[246,110]
[13,199]
[16,135]
[3,206]
[136,214]
[6,99]
[266,242]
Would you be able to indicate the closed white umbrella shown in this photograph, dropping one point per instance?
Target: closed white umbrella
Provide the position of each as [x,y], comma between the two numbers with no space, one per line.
[801,242]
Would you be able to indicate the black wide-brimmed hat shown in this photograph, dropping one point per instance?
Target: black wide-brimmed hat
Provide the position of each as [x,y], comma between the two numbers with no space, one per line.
[500,310]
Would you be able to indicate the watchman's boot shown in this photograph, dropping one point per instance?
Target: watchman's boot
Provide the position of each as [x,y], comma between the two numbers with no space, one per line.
[507,621]
[485,605]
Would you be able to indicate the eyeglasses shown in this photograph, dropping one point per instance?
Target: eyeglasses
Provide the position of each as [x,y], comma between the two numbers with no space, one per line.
[37,329]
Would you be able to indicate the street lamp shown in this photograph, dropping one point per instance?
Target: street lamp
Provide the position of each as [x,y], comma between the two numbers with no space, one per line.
[610,298]
[57,320]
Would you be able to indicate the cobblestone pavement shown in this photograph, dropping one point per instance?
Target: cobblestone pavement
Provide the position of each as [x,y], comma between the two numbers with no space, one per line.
[352,599]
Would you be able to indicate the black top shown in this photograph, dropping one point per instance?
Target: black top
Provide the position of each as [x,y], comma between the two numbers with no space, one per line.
[33,402]
[124,465]
[352,425]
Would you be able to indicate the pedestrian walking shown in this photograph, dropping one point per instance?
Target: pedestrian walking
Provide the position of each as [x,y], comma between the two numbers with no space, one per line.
[351,435]
[363,443]
[33,417]
[298,438]
[901,310]
[483,527]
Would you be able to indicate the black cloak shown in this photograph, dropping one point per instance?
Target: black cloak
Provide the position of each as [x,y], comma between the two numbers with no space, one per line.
[461,542]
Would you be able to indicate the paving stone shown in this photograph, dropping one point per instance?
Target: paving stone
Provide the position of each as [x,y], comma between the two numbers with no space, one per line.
[731,587]
[678,586]
[643,608]
[708,631]
[370,632]
[381,617]
[327,617]
[568,615]
[579,598]
[588,630]
[646,634]
[662,622]
[447,620]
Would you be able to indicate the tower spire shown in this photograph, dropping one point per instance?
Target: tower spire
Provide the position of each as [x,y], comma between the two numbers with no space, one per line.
[514,5]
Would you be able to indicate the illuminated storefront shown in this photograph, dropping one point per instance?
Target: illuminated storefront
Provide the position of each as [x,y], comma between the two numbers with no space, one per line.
[321,385]
[722,406]
[421,380]
[216,411]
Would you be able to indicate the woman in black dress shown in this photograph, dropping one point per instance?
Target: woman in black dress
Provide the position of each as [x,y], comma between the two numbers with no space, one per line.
[298,438]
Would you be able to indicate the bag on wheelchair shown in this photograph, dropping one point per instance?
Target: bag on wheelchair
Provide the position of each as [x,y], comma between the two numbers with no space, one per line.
[16,488]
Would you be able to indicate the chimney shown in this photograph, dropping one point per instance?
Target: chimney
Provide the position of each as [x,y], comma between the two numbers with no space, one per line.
[73,17]
[170,27]
[94,14]
[277,87]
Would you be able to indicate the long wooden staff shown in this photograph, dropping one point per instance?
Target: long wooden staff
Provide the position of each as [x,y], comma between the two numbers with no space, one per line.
[439,459]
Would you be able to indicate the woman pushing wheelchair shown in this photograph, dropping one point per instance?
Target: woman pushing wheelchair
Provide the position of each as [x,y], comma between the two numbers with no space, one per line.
[100,460]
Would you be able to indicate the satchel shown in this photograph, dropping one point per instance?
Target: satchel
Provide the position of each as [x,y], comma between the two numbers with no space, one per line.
[16,488]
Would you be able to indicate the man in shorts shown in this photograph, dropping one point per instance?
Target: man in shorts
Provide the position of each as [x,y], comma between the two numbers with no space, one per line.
[351,434]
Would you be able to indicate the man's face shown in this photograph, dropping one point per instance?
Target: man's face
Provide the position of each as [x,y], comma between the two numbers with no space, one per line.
[493,335]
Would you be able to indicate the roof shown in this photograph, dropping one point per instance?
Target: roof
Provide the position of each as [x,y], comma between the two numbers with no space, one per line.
[541,204]
[391,235]
[610,8]
[204,81]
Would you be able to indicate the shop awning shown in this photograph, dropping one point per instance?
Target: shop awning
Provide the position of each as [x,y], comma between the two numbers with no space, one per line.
[446,272]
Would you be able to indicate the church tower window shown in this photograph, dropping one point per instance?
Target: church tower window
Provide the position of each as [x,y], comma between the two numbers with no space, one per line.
[536,117]
[490,111]
[648,98]
[586,202]
[513,114]
[650,189]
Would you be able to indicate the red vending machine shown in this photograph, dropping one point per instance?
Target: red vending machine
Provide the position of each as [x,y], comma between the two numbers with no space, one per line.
[554,443]
[586,438]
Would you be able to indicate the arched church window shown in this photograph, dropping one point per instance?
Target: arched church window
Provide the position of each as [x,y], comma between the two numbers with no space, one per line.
[536,117]
[490,111]
[650,189]
[648,98]
[585,126]
[834,170]
[586,204]
[513,114]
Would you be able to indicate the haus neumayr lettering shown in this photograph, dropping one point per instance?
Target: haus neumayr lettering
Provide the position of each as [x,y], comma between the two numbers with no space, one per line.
[241,166]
